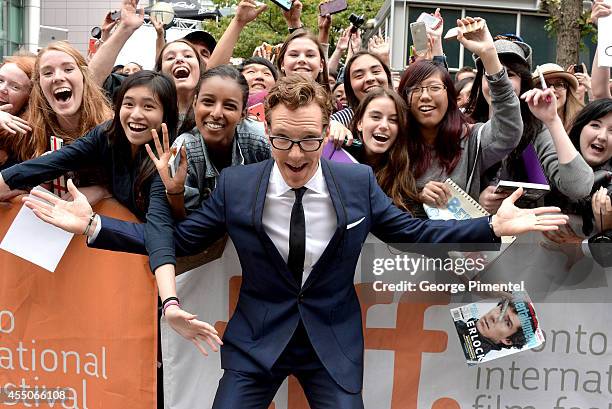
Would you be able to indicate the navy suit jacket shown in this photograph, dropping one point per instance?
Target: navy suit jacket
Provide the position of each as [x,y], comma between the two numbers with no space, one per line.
[271,303]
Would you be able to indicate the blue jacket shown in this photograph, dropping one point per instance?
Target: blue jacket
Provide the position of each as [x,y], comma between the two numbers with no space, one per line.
[271,303]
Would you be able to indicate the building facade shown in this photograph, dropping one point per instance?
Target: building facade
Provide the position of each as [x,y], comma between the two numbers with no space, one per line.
[521,17]
[12,25]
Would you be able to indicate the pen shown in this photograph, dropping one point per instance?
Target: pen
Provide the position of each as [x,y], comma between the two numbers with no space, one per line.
[505,307]
[543,83]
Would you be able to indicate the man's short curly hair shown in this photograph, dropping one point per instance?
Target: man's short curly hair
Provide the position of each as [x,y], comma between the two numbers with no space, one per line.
[295,91]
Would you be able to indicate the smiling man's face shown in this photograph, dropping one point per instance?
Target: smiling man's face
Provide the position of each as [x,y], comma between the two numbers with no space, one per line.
[295,165]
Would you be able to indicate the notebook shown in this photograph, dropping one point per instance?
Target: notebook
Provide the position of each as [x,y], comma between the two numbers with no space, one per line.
[462,206]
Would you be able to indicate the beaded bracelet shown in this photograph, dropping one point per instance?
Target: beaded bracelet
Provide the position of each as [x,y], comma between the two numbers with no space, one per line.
[172,302]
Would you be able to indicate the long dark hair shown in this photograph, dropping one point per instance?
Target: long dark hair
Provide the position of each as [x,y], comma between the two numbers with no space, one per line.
[323,77]
[478,108]
[223,71]
[165,91]
[451,130]
[348,88]
[393,174]
[594,110]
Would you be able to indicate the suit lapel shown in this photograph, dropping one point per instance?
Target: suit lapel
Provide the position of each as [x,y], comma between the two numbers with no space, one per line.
[341,217]
[257,216]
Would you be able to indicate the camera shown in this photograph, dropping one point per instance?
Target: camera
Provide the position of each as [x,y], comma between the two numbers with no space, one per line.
[96,32]
[115,15]
[356,22]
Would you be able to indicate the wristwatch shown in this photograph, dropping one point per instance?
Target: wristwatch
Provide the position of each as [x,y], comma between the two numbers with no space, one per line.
[292,29]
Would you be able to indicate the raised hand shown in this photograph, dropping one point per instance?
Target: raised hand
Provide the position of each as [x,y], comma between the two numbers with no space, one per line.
[192,329]
[71,216]
[248,10]
[293,16]
[600,9]
[158,25]
[354,43]
[176,184]
[107,26]
[511,220]
[379,46]
[343,41]
[542,104]
[478,41]
[435,34]
[324,23]
[11,123]
[131,16]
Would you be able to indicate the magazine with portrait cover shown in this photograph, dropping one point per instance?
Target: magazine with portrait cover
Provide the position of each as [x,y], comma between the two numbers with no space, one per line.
[492,329]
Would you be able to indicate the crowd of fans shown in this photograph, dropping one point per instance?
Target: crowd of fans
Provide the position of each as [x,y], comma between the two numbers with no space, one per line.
[415,127]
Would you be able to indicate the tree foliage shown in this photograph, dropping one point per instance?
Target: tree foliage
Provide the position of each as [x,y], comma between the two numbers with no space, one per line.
[272,28]
[571,25]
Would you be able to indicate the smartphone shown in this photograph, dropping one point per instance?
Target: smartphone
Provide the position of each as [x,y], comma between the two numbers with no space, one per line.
[579,68]
[175,158]
[419,37]
[284,4]
[332,7]
[431,21]
[257,112]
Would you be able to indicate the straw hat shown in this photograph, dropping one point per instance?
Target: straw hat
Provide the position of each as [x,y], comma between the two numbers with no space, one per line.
[550,71]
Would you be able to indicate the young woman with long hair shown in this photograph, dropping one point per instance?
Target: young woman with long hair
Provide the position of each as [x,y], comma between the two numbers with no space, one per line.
[15,87]
[223,136]
[180,61]
[301,53]
[379,120]
[145,101]
[442,141]
[364,72]
[564,168]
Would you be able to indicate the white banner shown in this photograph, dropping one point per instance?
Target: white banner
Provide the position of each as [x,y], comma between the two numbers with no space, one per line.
[413,357]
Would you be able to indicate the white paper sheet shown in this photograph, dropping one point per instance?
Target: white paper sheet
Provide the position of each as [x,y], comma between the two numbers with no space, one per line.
[604,40]
[35,240]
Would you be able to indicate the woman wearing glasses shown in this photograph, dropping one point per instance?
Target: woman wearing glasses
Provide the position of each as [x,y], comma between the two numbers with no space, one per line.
[565,86]
[442,142]
[542,140]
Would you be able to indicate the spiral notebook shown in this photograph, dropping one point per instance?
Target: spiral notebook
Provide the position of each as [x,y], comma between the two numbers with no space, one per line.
[461,206]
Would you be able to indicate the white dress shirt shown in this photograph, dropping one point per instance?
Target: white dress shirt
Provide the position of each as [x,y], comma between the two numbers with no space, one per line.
[319,214]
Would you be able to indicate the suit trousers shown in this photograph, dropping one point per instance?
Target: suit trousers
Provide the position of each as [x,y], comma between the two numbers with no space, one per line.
[246,390]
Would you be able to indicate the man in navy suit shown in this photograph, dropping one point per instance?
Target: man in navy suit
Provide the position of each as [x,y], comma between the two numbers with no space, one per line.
[298,223]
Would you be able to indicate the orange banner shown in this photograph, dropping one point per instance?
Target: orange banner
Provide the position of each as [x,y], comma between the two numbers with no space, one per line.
[88,329]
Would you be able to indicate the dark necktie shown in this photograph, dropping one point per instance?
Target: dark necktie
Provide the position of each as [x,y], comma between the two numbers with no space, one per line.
[297,237]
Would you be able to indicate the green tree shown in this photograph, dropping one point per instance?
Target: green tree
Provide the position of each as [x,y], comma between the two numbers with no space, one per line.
[271,27]
[571,24]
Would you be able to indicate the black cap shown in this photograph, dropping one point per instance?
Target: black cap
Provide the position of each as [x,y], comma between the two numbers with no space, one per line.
[260,61]
[202,37]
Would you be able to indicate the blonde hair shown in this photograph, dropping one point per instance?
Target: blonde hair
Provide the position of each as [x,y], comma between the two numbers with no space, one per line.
[94,110]
[572,107]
